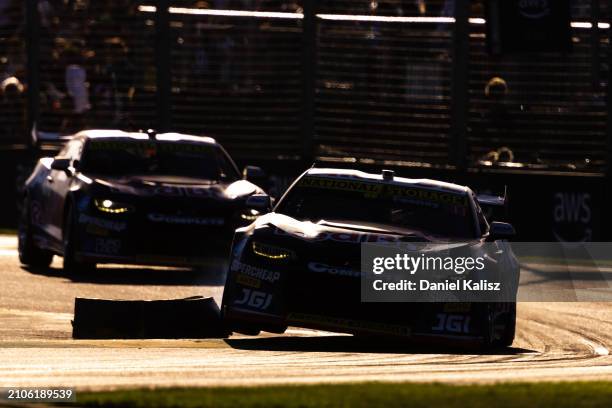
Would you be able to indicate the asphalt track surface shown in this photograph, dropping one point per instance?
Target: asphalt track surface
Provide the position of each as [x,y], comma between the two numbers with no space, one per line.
[555,341]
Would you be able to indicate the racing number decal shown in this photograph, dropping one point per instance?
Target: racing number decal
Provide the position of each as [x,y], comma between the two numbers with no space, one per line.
[107,246]
[452,323]
[255,299]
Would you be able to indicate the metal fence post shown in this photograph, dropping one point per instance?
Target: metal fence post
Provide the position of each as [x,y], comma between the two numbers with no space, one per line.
[595,40]
[162,59]
[32,37]
[608,174]
[459,85]
[309,64]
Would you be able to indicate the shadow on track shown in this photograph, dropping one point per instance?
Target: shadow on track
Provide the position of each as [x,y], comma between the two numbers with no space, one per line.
[208,275]
[351,344]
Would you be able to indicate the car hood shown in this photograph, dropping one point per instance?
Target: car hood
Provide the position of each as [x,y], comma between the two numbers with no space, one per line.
[172,186]
[276,226]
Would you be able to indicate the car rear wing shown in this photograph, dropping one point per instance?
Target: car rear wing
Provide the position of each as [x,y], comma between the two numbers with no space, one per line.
[47,141]
[493,200]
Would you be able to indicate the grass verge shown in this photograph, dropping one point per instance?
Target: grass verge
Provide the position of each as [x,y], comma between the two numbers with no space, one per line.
[557,395]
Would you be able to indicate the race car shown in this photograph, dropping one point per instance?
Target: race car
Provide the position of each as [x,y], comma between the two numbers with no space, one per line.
[300,265]
[134,198]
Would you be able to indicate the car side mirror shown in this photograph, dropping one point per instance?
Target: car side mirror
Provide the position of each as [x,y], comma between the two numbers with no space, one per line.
[254,174]
[61,164]
[501,230]
[259,202]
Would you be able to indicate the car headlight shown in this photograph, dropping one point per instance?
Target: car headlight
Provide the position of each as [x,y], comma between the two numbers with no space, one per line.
[112,207]
[250,215]
[271,252]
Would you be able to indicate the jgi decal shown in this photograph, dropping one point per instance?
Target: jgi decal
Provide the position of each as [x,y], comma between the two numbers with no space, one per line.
[255,272]
[452,323]
[572,216]
[254,298]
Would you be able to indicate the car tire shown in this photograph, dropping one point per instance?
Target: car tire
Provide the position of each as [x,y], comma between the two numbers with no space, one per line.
[71,265]
[494,337]
[488,330]
[29,253]
[510,327]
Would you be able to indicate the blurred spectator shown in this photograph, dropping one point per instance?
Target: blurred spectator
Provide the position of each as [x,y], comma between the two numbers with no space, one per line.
[13,110]
[114,84]
[496,121]
[46,13]
[77,89]
[9,15]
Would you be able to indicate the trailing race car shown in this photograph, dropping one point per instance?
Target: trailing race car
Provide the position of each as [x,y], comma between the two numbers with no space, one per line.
[300,265]
[135,198]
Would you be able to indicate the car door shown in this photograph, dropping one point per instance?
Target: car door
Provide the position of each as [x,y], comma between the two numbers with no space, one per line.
[58,183]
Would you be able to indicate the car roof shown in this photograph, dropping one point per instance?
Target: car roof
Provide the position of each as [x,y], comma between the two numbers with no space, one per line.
[343,174]
[119,134]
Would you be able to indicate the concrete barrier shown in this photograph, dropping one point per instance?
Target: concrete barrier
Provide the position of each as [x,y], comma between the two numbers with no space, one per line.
[195,317]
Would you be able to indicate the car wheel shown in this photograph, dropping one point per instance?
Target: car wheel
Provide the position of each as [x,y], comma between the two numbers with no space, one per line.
[71,264]
[29,253]
[488,329]
[509,332]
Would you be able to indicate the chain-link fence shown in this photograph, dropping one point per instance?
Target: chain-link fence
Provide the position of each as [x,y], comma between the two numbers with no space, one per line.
[407,83]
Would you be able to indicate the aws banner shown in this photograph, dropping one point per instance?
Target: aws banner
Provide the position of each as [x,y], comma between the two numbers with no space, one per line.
[517,26]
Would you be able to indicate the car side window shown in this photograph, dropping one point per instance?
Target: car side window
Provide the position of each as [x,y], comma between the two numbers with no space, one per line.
[482,220]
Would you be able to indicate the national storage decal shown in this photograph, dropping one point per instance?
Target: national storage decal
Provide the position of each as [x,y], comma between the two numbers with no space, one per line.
[381,190]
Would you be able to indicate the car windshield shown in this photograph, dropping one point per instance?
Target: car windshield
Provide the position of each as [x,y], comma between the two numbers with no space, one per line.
[428,211]
[152,157]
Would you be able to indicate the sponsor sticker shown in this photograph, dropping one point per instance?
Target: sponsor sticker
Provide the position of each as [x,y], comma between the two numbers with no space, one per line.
[255,272]
[319,267]
[97,230]
[368,189]
[117,226]
[421,195]
[179,191]
[107,246]
[451,323]
[254,299]
[146,146]
[417,196]
[185,220]
[248,281]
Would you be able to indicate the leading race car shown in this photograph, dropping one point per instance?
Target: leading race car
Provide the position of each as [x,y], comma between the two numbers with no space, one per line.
[300,265]
[135,198]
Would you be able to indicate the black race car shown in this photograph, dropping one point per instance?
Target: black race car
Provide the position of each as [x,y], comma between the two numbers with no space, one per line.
[135,198]
[300,265]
